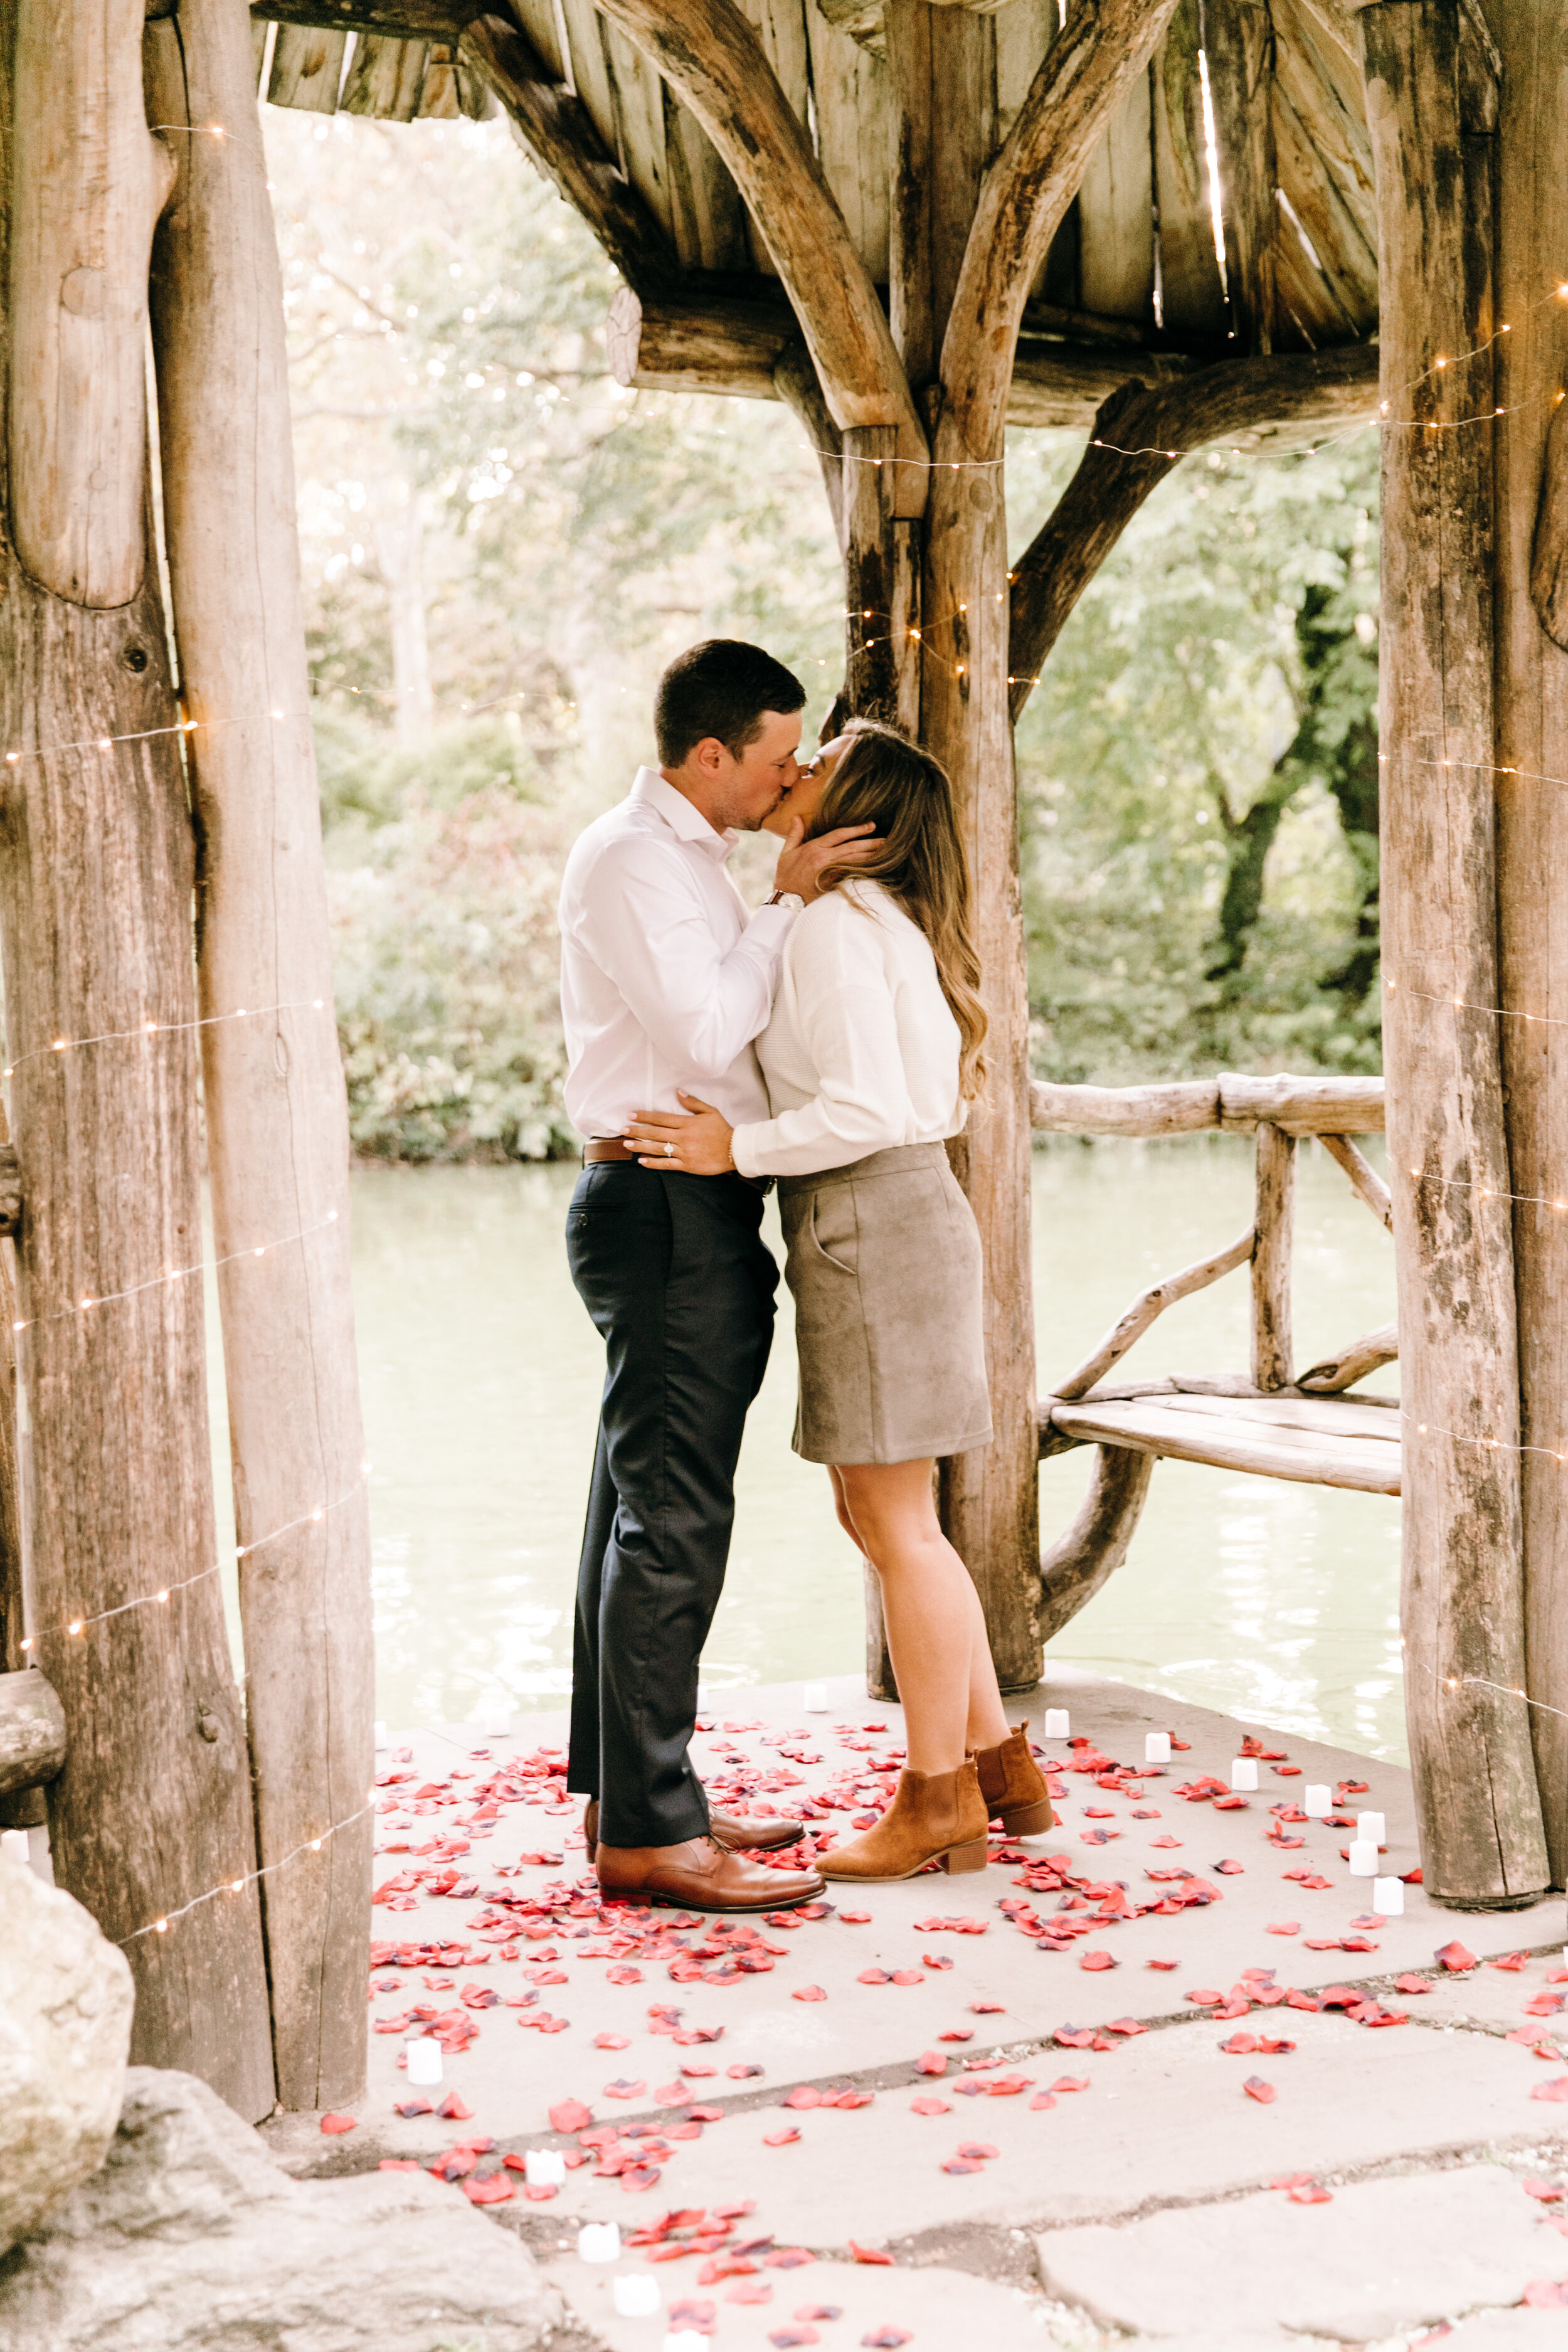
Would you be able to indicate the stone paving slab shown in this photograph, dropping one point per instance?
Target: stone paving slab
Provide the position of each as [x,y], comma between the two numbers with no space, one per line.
[511,2077]
[942,2310]
[1383,2257]
[1507,2331]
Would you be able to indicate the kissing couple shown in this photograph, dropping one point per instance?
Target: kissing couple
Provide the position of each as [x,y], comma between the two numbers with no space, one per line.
[829,1042]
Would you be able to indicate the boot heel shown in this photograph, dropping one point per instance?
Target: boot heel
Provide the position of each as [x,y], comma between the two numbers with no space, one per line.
[973,1856]
[1030,1820]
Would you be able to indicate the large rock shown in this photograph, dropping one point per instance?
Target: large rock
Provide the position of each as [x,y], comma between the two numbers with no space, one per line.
[65,2029]
[191,2240]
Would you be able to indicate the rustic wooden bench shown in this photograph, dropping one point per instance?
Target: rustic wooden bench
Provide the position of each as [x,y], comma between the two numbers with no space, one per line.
[1272,1421]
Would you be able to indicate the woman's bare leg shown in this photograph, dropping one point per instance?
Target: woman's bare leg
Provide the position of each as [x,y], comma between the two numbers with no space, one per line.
[936,1628]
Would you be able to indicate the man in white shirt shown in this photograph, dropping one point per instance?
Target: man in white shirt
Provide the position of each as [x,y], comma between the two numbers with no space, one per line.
[665,979]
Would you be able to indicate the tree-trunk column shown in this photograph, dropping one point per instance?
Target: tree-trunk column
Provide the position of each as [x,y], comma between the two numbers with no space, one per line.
[1532,847]
[1463,1605]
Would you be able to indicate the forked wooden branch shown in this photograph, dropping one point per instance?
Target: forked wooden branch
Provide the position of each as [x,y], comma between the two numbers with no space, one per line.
[559,133]
[1368,1183]
[1082,80]
[1145,1308]
[1290,399]
[1273,1217]
[1074,1567]
[1354,1364]
[88,184]
[714,59]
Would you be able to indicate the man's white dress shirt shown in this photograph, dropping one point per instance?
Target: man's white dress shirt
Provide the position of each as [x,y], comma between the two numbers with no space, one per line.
[666,975]
[862,1053]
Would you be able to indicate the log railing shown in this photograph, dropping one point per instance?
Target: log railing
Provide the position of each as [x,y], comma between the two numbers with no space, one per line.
[1271,1421]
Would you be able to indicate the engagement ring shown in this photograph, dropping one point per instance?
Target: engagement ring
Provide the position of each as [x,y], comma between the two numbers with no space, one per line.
[669,1150]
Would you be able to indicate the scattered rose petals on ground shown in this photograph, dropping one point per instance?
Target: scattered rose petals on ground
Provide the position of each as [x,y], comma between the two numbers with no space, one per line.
[569,2116]
[612,2042]
[1540,2294]
[930,2062]
[873,2255]
[886,2339]
[785,2138]
[808,1992]
[1256,2088]
[1555,2090]
[1547,2191]
[927,2106]
[1455,1957]
[1070,2083]
[340,2123]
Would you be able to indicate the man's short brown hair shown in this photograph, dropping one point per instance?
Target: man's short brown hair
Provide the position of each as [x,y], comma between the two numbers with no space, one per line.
[723,687]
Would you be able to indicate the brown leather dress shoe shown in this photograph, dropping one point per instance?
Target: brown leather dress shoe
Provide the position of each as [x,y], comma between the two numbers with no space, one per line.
[700,1875]
[763,1833]
[1014,1787]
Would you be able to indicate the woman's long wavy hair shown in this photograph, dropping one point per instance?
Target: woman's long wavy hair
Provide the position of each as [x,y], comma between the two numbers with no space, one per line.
[883,778]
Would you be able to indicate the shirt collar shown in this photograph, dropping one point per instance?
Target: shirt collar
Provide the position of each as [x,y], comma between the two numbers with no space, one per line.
[685,821]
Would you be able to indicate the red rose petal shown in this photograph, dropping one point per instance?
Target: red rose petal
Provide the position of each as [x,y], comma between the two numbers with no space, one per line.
[808,1992]
[925,2106]
[1256,2088]
[930,2062]
[569,2116]
[1455,1957]
[875,2256]
[785,2138]
[340,2123]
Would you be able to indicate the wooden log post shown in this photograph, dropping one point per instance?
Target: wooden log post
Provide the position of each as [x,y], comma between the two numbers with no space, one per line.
[1430,105]
[277,1116]
[1530,546]
[1273,1224]
[152,1811]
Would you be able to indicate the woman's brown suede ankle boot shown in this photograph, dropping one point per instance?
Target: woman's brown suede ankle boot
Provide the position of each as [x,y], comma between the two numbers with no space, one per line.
[934,1817]
[1014,1787]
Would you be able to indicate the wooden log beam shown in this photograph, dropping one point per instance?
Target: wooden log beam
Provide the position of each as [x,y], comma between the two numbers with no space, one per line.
[89,180]
[152,1807]
[1186,1106]
[1273,1227]
[1146,1308]
[277,1121]
[558,132]
[1140,433]
[1482,1841]
[1369,1186]
[715,62]
[31,1731]
[1529,544]
[1073,1568]
[1082,80]
[403,20]
[680,342]
[1352,1363]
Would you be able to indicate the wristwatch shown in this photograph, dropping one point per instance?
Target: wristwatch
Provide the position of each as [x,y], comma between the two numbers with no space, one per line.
[790,899]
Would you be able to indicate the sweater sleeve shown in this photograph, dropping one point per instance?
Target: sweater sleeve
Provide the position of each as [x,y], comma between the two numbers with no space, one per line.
[836,974]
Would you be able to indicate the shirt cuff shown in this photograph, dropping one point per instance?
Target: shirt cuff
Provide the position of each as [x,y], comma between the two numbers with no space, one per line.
[772,926]
[742,1148]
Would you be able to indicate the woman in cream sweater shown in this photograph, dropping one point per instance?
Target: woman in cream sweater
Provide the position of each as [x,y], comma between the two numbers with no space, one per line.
[872,1058]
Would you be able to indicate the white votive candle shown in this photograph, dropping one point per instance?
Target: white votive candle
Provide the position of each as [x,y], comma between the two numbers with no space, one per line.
[814,1698]
[1363,1858]
[1317,1803]
[425,2061]
[498,1727]
[636,2294]
[686,2340]
[380,1739]
[599,2242]
[1388,1897]
[1056,1723]
[1373,1826]
[1156,1747]
[546,2168]
[14,1846]
[1244,1772]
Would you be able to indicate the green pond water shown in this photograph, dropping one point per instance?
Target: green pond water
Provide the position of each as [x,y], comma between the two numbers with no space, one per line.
[481,1373]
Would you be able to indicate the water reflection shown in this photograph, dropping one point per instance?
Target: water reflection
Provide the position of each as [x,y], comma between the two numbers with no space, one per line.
[481,1373]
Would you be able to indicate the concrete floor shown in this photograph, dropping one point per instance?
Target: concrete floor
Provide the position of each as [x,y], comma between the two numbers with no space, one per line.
[1139,2205]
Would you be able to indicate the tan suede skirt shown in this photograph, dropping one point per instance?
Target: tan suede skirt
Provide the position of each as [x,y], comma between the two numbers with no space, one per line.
[884,1265]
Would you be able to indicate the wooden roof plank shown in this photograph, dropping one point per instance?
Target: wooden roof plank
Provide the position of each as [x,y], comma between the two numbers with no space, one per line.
[706,206]
[307,69]
[386,77]
[640,119]
[588,71]
[1348,265]
[780,26]
[540,23]
[1332,112]
[1116,214]
[1189,267]
[438,97]
[854,122]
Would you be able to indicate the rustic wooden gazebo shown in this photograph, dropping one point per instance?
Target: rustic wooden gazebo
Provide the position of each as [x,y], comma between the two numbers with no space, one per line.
[1175,225]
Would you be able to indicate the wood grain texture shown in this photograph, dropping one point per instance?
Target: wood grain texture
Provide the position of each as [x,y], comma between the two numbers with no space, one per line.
[152,1807]
[1354,1362]
[1274,1217]
[403,20]
[31,1731]
[1463,1601]
[588,72]
[1139,433]
[558,131]
[277,1123]
[306,68]
[781,27]
[1532,864]
[1083,78]
[1241,73]
[639,121]
[708,216]
[1074,1567]
[1116,213]
[386,77]
[1146,1308]
[713,59]
[1228,1440]
[89,183]
[1193,298]
[853,118]
[1183,1105]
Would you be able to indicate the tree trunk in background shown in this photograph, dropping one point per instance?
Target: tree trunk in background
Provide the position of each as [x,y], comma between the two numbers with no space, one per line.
[1533,861]
[277,1118]
[152,1813]
[399,534]
[1463,1612]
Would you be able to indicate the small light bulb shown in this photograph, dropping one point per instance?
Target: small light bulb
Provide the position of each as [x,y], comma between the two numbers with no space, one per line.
[162,1596]
[28,1642]
[315,1845]
[75,1626]
[236,1887]
[161,1926]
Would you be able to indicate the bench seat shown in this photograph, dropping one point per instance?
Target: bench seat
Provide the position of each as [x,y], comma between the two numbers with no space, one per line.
[1318,1441]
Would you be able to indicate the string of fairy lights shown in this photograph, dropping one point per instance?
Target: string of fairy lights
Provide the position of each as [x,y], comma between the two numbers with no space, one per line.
[75,1628]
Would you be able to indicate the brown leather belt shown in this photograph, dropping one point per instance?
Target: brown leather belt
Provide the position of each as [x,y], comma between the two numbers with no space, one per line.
[607,1147]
